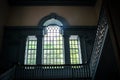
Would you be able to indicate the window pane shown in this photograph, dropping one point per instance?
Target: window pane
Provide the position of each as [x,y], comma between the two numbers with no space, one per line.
[53,51]
[30,52]
[75,50]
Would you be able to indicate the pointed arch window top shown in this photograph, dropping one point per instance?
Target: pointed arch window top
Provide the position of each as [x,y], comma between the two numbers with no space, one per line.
[53,29]
[53,21]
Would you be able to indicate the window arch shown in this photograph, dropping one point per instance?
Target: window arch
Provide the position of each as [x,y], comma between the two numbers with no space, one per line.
[53,21]
[53,18]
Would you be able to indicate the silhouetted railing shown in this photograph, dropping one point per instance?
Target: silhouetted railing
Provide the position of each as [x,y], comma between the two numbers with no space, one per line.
[8,75]
[52,71]
[99,42]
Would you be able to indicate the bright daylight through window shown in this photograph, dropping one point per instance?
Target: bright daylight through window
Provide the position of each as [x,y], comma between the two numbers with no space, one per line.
[53,46]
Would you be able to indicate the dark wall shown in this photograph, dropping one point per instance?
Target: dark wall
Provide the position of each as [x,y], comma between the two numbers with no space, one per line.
[14,44]
[107,67]
[114,13]
[10,49]
[113,9]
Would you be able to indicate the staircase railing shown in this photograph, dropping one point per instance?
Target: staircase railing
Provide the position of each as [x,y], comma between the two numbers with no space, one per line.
[52,71]
[99,42]
[8,75]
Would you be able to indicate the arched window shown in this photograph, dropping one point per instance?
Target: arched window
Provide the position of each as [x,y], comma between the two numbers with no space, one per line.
[51,49]
[30,51]
[53,43]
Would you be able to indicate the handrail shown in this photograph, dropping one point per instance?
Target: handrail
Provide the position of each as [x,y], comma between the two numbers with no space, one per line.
[8,75]
[101,34]
[52,71]
[54,65]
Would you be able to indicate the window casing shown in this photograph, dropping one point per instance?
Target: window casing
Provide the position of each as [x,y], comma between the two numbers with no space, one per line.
[30,51]
[75,50]
[52,49]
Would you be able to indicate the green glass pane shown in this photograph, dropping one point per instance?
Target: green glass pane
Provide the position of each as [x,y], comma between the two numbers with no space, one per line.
[35,47]
[58,46]
[52,56]
[58,51]
[72,50]
[28,56]
[35,42]
[32,47]
[29,51]
[76,46]
[61,38]
[45,56]
[30,42]
[74,56]
[71,56]
[29,47]
[45,61]
[75,42]
[28,61]
[32,61]
[34,56]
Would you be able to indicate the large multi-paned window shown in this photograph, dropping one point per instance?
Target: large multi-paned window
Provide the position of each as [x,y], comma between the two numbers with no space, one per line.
[53,52]
[53,46]
[30,51]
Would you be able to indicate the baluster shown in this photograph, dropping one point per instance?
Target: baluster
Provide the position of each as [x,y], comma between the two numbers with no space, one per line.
[78,71]
[85,71]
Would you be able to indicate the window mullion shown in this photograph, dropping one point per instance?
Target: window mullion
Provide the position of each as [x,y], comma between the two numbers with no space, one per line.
[67,49]
[23,50]
[39,49]
[83,49]
[26,51]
